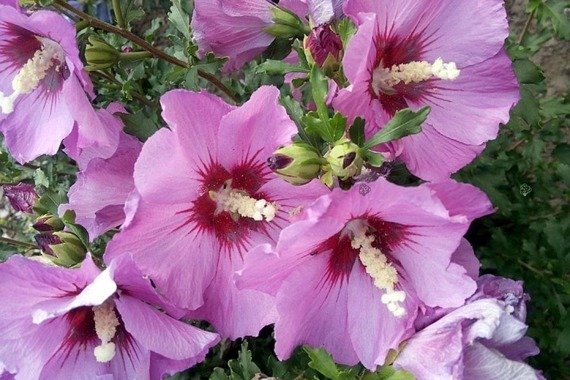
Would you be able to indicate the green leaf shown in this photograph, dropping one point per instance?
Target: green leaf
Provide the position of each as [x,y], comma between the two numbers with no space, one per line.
[345,29]
[315,126]
[337,126]
[319,90]
[388,373]
[356,132]
[40,178]
[528,72]
[49,202]
[180,19]
[322,362]
[273,67]
[139,125]
[404,123]
[374,158]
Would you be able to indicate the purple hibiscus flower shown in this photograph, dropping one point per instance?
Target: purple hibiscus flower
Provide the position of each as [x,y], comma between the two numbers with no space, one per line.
[448,55]
[351,273]
[483,340]
[205,196]
[43,88]
[59,323]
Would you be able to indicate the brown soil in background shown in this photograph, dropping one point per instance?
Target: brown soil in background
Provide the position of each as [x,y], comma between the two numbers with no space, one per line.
[553,57]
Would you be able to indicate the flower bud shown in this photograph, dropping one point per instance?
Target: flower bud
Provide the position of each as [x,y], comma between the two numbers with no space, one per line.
[324,47]
[21,196]
[48,223]
[297,163]
[62,248]
[344,160]
[286,24]
[100,55]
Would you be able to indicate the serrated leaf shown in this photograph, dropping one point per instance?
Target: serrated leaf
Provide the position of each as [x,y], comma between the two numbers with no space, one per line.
[322,362]
[404,123]
[527,72]
[345,29]
[40,178]
[180,19]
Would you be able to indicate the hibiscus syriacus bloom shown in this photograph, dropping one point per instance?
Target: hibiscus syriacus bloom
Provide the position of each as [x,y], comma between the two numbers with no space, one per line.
[207,195]
[445,54]
[351,272]
[58,323]
[485,339]
[42,85]
[104,183]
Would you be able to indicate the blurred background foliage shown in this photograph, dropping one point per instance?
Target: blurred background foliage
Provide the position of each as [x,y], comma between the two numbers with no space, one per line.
[525,172]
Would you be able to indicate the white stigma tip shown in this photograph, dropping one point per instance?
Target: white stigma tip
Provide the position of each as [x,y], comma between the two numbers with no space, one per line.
[239,203]
[105,352]
[376,264]
[32,72]
[106,323]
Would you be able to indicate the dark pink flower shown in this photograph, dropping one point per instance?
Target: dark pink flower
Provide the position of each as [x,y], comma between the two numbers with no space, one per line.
[205,197]
[21,196]
[352,272]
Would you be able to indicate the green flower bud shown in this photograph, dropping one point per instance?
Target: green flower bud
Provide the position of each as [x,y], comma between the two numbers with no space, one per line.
[62,248]
[100,55]
[286,24]
[344,160]
[48,223]
[298,163]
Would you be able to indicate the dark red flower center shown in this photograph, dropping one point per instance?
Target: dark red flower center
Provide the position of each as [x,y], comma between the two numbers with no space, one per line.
[231,230]
[395,50]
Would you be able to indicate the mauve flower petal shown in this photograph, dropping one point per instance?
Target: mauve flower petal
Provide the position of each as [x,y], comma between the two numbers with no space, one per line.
[313,312]
[232,28]
[162,334]
[462,199]
[434,157]
[161,246]
[323,11]
[102,188]
[465,257]
[195,118]
[21,196]
[299,7]
[373,329]
[234,313]
[482,363]
[166,178]
[251,124]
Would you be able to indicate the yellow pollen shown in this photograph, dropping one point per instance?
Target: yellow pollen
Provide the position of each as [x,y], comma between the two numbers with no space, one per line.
[383,273]
[239,203]
[384,79]
[106,323]
[33,71]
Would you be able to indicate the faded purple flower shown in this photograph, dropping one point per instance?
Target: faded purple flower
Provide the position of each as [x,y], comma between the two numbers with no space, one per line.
[58,323]
[21,196]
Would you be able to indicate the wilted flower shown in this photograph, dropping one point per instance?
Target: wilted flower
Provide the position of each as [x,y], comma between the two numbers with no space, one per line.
[21,196]
[58,323]
[105,179]
[447,55]
[485,339]
[43,88]
[351,272]
[207,195]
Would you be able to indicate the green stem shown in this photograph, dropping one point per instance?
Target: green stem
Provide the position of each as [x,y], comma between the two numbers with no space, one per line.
[134,55]
[17,243]
[119,14]
[157,53]
[80,25]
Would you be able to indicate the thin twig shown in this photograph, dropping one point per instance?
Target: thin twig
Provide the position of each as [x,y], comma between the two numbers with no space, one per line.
[17,243]
[526,26]
[157,53]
